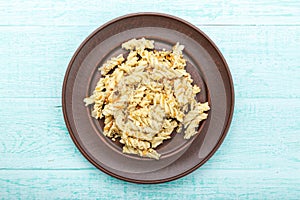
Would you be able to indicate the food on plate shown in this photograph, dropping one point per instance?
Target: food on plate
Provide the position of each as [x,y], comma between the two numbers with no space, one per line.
[145,96]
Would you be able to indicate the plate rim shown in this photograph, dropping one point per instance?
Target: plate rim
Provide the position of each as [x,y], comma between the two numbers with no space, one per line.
[81,149]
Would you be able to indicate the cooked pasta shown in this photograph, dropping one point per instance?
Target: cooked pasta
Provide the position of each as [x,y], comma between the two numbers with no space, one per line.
[146,96]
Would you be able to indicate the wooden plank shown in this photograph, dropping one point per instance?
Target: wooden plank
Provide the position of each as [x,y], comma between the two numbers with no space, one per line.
[264,60]
[202,184]
[264,135]
[36,136]
[33,60]
[83,12]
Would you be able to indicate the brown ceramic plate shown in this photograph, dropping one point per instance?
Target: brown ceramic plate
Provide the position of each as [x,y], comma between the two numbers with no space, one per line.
[207,67]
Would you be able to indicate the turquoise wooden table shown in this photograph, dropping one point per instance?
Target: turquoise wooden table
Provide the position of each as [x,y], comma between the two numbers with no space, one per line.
[260,157]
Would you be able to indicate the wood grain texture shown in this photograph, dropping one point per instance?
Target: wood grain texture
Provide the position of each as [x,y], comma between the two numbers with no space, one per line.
[263,136]
[265,56]
[260,157]
[202,184]
[84,12]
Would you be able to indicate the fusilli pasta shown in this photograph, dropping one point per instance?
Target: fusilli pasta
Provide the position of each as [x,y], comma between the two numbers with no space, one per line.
[146,96]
